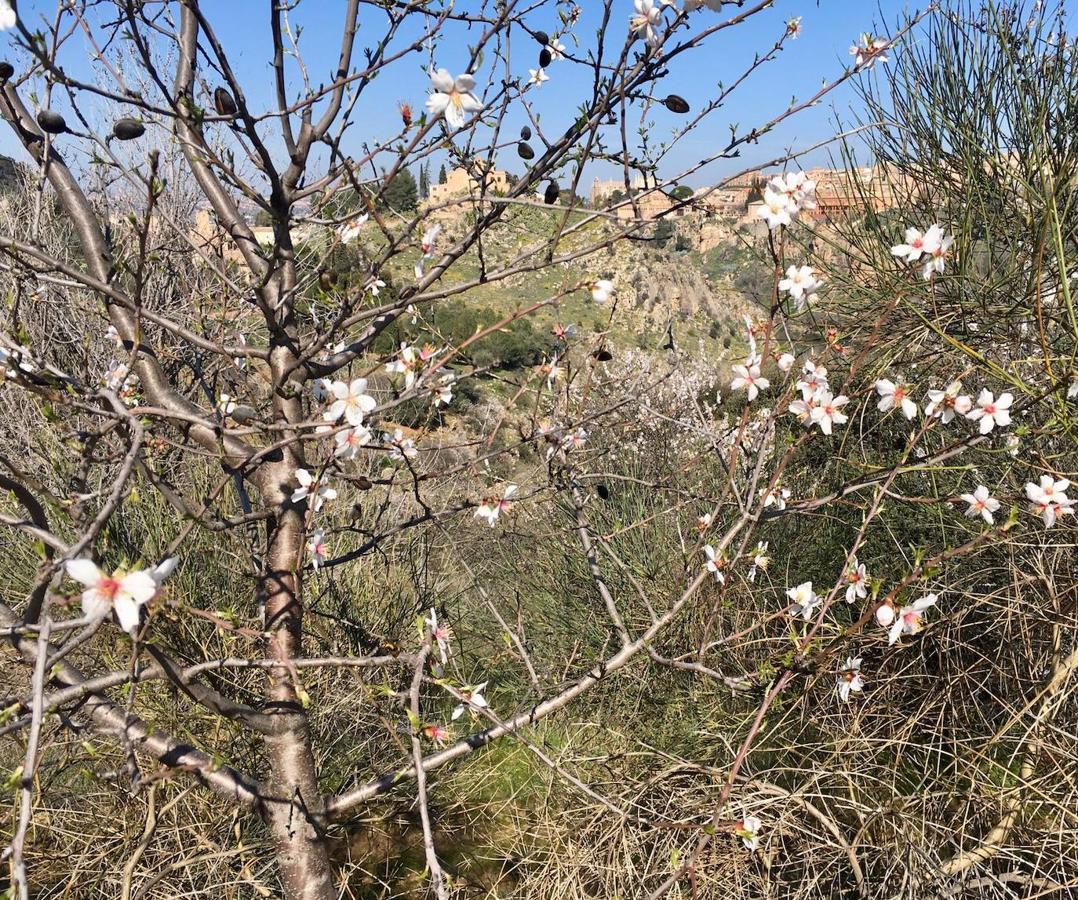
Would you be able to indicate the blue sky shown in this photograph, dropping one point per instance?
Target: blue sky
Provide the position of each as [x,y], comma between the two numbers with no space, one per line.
[829,26]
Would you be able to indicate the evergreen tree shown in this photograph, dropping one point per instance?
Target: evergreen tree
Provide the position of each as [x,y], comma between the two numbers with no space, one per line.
[424,181]
[401,194]
[441,175]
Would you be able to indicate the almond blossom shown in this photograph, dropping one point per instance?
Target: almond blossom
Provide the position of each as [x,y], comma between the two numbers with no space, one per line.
[748,829]
[402,447]
[849,678]
[981,504]
[869,52]
[1049,499]
[805,600]
[351,229]
[801,284]
[492,507]
[776,497]
[602,290]
[643,23]
[351,401]
[442,390]
[538,77]
[406,364]
[472,695]
[885,613]
[316,546]
[452,97]
[947,403]
[438,735]
[759,558]
[991,411]
[910,618]
[856,581]
[313,488]
[785,362]
[715,564]
[440,634]
[894,396]
[828,411]
[776,209]
[351,441]
[798,188]
[813,377]
[123,593]
[748,378]
[913,246]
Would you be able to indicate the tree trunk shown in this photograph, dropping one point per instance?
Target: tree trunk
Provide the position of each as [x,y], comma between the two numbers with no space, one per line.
[295,812]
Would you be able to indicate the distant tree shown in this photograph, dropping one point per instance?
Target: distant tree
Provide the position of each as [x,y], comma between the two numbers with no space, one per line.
[263,218]
[424,181]
[401,194]
[617,196]
[663,232]
[682,192]
[441,175]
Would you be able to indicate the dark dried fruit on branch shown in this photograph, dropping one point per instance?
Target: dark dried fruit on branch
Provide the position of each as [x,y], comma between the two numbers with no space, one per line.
[51,122]
[524,151]
[525,133]
[127,129]
[223,102]
[542,37]
[552,192]
[6,70]
[544,57]
[676,104]
[603,355]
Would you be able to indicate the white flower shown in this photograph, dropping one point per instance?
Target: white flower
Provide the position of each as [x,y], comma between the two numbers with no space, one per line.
[556,48]
[849,678]
[602,290]
[406,365]
[111,333]
[123,593]
[374,285]
[909,619]
[828,410]
[118,377]
[648,15]
[991,411]
[804,600]
[1049,499]
[800,282]
[452,97]
[1072,388]
[350,230]
[316,546]
[749,379]
[856,581]
[937,246]
[912,248]
[759,558]
[441,634]
[786,362]
[793,28]
[17,356]
[981,504]
[7,16]
[351,401]
[715,564]
[776,498]
[775,210]
[885,613]
[443,389]
[748,829]
[538,77]
[895,395]
[869,52]
[813,378]
[402,447]
[473,697]
[492,507]
[312,487]
[321,389]
[946,403]
[351,441]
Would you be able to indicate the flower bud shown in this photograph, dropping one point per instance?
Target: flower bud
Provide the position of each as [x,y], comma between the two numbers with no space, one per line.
[885,615]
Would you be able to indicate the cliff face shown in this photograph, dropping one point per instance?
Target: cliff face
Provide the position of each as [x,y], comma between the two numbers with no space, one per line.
[9,173]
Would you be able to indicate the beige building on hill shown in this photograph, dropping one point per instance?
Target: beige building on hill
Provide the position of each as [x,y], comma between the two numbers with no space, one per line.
[603,190]
[461,183]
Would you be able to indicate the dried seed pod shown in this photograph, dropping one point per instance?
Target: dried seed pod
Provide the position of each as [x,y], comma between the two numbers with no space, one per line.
[51,122]
[544,57]
[6,70]
[127,129]
[542,37]
[223,102]
[525,133]
[676,104]
[524,151]
[552,192]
